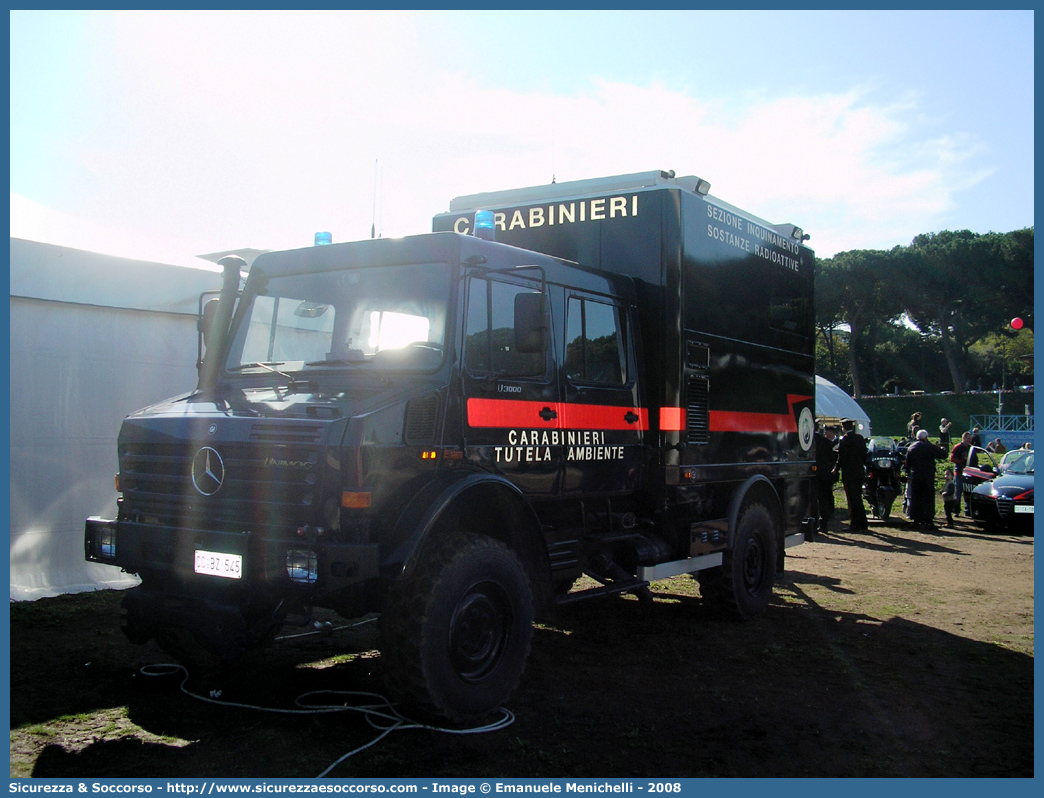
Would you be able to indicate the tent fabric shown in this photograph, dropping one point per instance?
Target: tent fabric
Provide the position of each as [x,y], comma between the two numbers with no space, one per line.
[834,405]
[61,274]
[93,338]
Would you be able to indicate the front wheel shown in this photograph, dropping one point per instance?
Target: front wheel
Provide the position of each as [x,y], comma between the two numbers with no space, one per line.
[455,636]
[742,584]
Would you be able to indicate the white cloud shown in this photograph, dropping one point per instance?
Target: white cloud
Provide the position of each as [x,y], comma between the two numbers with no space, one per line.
[821,162]
[35,222]
[217,130]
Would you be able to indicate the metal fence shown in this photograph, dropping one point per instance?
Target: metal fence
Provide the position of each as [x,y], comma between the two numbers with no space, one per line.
[1013,431]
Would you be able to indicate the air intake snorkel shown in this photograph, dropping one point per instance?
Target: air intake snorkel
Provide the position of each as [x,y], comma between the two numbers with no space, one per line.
[217,326]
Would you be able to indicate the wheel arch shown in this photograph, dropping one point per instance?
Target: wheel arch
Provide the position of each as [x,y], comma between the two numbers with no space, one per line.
[756,489]
[481,503]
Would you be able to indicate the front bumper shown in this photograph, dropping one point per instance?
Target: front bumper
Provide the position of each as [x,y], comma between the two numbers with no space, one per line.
[318,565]
[1001,511]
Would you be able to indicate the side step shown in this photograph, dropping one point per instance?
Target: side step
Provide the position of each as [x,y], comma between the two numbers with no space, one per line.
[611,589]
[689,565]
[664,570]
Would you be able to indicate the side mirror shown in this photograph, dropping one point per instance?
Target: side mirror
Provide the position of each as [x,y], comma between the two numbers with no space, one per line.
[530,323]
[205,325]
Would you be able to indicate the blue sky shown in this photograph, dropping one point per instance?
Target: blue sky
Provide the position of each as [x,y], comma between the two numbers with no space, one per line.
[163,135]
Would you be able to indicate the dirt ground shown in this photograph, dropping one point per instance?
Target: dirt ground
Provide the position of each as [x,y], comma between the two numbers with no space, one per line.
[888,653]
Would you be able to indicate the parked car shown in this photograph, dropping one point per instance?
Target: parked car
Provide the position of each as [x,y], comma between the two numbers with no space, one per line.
[981,468]
[1007,501]
[1009,458]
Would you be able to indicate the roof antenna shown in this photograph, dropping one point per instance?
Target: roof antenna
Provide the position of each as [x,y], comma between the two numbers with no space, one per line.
[373,218]
[552,156]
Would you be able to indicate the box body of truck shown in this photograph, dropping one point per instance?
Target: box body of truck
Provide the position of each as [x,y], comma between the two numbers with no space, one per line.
[450,431]
[725,306]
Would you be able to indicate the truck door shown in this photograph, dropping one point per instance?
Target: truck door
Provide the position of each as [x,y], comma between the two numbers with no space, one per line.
[601,422]
[511,395]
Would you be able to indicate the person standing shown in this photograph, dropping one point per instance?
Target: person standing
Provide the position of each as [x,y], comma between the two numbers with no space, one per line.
[944,433]
[826,459]
[913,426]
[959,458]
[851,462]
[920,474]
[950,503]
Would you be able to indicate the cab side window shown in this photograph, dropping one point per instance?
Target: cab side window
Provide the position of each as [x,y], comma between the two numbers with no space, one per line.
[489,346]
[595,351]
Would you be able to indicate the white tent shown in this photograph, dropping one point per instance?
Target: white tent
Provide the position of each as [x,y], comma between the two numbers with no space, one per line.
[93,338]
[834,405]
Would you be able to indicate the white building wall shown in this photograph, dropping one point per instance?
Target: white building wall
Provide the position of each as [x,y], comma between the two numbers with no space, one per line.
[76,371]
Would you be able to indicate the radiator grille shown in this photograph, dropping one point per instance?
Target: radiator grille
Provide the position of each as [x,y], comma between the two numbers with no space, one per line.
[287,433]
[263,484]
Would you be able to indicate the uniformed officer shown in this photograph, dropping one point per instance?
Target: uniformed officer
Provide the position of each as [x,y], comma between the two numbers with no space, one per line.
[851,462]
[826,459]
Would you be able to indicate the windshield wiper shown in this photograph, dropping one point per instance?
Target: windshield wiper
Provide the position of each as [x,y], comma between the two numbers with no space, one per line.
[339,362]
[351,362]
[293,383]
[259,365]
[290,378]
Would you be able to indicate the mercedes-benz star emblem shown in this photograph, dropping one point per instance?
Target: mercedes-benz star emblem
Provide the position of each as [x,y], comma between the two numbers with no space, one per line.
[208,471]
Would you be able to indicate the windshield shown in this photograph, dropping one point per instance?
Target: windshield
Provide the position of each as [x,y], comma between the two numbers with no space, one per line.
[1012,456]
[1024,465]
[392,316]
[882,445]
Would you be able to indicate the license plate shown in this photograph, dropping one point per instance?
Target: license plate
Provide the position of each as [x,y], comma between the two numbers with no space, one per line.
[216,563]
[1024,508]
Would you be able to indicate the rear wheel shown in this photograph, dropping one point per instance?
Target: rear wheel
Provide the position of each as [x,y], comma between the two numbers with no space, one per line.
[455,636]
[742,584]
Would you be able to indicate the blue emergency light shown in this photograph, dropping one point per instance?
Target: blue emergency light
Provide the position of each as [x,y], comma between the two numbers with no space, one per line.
[323,238]
[484,225]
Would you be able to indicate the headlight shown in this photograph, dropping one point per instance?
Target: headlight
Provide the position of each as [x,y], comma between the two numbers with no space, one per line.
[302,566]
[100,540]
[106,543]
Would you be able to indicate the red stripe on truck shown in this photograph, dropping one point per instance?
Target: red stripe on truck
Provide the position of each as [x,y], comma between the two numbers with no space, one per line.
[722,421]
[672,419]
[729,421]
[516,413]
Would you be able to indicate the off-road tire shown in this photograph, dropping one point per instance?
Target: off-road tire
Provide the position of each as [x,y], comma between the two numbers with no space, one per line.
[741,586]
[455,636]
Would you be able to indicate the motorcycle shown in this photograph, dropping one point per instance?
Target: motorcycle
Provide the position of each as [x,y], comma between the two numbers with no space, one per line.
[884,463]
